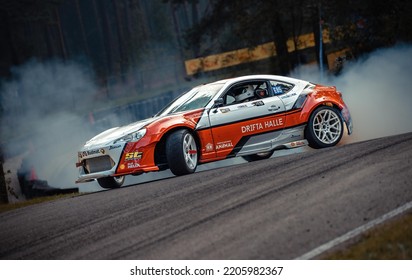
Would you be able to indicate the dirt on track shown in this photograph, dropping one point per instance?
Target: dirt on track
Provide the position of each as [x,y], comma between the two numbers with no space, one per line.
[278,208]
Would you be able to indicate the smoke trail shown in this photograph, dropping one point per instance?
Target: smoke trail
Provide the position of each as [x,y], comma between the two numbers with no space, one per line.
[44,104]
[377,90]
[43,107]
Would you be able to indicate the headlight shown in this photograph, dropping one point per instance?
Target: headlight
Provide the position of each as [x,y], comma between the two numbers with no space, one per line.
[132,137]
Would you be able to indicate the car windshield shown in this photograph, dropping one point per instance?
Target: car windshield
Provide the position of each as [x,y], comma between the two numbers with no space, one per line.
[196,98]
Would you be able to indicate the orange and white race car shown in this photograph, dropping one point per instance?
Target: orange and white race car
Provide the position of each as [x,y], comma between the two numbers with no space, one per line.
[249,116]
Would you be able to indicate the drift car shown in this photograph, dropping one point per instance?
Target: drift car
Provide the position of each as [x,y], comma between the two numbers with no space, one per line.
[250,116]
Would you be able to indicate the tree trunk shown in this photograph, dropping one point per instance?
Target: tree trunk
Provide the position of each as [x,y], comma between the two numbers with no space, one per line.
[106,68]
[282,53]
[316,33]
[82,29]
[195,21]
[59,27]
[108,38]
[3,188]
[13,50]
[121,38]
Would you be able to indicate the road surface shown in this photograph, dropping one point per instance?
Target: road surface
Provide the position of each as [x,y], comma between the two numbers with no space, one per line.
[278,208]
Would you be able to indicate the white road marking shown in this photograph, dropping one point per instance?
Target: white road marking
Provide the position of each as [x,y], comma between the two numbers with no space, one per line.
[323,248]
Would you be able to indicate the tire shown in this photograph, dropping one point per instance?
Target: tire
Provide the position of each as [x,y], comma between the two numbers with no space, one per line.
[181,152]
[111,182]
[258,156]
[325,127]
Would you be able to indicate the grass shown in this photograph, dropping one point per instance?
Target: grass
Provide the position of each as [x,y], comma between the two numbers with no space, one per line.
[37,200]
[389,241]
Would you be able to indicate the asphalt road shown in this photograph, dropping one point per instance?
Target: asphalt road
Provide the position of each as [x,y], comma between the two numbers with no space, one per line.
[278,208]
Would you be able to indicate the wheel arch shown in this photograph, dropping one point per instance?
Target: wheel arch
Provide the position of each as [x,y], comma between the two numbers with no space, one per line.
[325,103]
[160,149]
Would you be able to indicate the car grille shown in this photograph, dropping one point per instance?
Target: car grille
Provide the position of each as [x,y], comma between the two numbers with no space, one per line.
[98,164]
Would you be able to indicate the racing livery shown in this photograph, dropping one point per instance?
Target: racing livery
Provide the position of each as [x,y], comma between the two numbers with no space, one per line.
[249,116]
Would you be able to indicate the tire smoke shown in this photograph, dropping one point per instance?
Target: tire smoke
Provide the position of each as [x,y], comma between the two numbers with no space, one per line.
[44,106]
[377,89]
[43,123]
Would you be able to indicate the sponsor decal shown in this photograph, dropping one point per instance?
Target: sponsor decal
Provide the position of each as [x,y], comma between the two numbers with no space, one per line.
[224,145]
[258,103]
[252,127]
[133,164]
[277,89]
[224,110]
[133,155]
[122,166]
[209,147]
[195,115]
[262,125]
[297,144]
[114,147]
[242,106]
[273,123]
[90,152]
[288,95]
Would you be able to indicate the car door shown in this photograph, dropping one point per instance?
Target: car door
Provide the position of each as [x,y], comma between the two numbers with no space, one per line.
[248,127]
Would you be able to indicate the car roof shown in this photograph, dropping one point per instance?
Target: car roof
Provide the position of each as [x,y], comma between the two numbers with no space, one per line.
[253,77]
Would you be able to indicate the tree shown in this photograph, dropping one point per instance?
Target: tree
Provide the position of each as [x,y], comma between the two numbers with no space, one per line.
[232,24]
[361,26]
[27,30]
[366,25]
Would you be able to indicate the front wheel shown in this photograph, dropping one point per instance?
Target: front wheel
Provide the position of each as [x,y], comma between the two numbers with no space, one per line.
[325,127]
[181,152]
[111,182]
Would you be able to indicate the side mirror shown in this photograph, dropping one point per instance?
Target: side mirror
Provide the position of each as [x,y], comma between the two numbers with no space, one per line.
[219,102]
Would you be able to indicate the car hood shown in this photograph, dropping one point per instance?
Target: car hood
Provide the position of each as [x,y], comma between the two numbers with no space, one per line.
[107,137]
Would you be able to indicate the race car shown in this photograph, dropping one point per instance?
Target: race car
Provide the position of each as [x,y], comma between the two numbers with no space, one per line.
[248,116]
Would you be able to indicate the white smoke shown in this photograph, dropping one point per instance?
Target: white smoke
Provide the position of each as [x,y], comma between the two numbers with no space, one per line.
[377,90]
[44,106]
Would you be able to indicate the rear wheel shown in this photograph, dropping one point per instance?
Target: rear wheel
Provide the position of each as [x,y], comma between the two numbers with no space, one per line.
[111,182]
[258,156]
[181,152]
[325,127]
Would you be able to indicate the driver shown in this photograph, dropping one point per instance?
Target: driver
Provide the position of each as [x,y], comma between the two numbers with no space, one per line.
[246,94]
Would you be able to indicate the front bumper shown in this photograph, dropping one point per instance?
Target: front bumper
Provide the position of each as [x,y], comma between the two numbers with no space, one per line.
[91,177]
[97,162]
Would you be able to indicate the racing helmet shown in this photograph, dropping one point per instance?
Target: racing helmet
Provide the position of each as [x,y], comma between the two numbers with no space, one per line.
[247,92]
